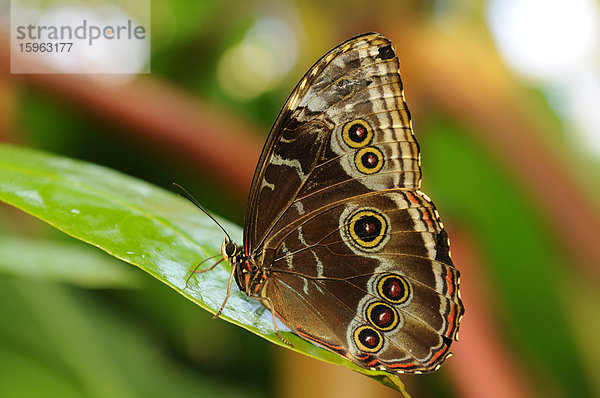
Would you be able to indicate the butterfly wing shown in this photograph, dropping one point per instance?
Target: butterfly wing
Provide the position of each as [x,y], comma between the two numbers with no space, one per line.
[370,278]
[359,261]
[359,77]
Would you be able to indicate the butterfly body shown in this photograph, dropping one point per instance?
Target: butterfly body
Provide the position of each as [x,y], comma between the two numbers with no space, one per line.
[248,275]
[339,241]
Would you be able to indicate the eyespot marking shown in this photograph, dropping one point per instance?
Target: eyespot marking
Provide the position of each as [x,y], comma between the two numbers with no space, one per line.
[367,228]
[369,160]
[394,288]
[368,339]
[357,133]
[382,315]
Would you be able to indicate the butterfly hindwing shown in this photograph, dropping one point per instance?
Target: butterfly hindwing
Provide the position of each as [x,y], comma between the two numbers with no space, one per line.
[342,254]
[407,344]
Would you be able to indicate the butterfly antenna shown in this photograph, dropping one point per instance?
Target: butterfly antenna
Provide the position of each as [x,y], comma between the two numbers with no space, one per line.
[184,193]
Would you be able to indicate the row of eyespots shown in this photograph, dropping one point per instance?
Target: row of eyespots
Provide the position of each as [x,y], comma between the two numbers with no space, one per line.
[381,315]
[358,134]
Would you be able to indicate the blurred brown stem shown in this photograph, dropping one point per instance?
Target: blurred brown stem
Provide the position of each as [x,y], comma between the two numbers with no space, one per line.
[481,366]
[157,112]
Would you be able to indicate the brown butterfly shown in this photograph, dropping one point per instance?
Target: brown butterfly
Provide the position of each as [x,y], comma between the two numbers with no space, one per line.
[339,242]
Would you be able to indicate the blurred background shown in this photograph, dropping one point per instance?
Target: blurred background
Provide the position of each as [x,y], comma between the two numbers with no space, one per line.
[505,98]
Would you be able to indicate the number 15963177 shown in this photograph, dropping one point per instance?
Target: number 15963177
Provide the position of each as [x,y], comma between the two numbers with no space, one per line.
[45,47]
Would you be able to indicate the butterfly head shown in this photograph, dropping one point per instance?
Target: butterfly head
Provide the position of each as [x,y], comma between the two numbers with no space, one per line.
[230,251]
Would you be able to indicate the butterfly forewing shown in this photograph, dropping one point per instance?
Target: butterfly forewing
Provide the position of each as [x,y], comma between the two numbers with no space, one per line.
[355,256]
[359,77]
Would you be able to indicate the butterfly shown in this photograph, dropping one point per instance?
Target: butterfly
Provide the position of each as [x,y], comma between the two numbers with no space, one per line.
[340,244]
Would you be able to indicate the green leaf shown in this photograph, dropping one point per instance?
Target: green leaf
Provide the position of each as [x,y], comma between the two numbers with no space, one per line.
[65,262]
[58,341]
[146,226]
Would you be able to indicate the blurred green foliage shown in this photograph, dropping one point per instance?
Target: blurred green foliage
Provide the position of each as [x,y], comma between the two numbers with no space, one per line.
[64,339]
[526,264]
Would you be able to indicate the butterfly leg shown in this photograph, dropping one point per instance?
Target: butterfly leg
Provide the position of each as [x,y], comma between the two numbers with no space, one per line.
[228,293]
[269,305]
[278,332]
[195,271]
